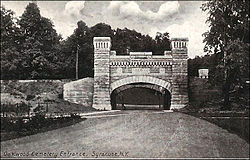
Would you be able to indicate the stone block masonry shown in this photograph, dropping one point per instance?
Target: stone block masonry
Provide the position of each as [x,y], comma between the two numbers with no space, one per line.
[101,96]
[167,71]
[80,91]
[179,73]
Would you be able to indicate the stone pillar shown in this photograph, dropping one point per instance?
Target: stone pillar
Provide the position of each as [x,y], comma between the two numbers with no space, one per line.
[101,96]
[179,97]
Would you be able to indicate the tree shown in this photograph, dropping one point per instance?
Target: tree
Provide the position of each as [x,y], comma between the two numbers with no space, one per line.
[10,34]
[122,40]
[86,50]
[101,30]
[162,42]
[80,41]
[125,39]
[9,30]
[134,41]
[229,37]
[39,43]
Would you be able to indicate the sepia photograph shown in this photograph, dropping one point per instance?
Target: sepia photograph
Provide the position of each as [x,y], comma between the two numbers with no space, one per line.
[125,79]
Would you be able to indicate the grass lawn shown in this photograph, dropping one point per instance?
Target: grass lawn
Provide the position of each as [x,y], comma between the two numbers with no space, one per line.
[234,122]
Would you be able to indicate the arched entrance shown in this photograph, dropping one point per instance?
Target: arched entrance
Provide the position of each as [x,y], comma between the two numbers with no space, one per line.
[144,91]
[140,96]
[168,70]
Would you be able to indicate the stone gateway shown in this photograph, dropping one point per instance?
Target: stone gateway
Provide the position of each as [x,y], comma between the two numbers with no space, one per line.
[166,74]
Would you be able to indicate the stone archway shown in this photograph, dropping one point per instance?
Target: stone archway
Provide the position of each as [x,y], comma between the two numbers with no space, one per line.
[168,70]
[161,100]
[141,79]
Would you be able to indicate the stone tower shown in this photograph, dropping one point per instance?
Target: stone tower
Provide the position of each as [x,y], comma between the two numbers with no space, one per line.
[179,73]
[101,96]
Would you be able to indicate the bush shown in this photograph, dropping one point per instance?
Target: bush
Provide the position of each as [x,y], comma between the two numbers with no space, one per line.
[39,109]
[30,97]
[18,127]
[6,124]
[60,96]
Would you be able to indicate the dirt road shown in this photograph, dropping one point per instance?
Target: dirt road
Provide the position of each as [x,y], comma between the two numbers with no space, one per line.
[127,134]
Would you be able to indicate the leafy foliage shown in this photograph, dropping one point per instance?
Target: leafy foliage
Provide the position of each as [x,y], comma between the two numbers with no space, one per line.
[210,62]
[229,37]
[9,44]
[39,41]
[29,46]
[32,49]
[123,40]
[228,20]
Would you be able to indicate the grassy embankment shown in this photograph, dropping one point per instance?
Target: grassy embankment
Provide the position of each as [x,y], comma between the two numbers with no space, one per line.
[206,103]
[33,94]
[40,93]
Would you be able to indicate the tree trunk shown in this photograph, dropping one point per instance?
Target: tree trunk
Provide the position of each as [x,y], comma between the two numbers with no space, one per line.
[226,89]
[226,104]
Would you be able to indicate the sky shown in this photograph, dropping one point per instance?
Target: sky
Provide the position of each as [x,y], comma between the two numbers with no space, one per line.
[178,18]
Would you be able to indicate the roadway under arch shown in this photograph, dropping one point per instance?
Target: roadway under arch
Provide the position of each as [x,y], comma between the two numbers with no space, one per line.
[141,92]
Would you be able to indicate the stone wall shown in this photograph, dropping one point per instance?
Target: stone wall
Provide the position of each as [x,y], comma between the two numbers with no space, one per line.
[80,91]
